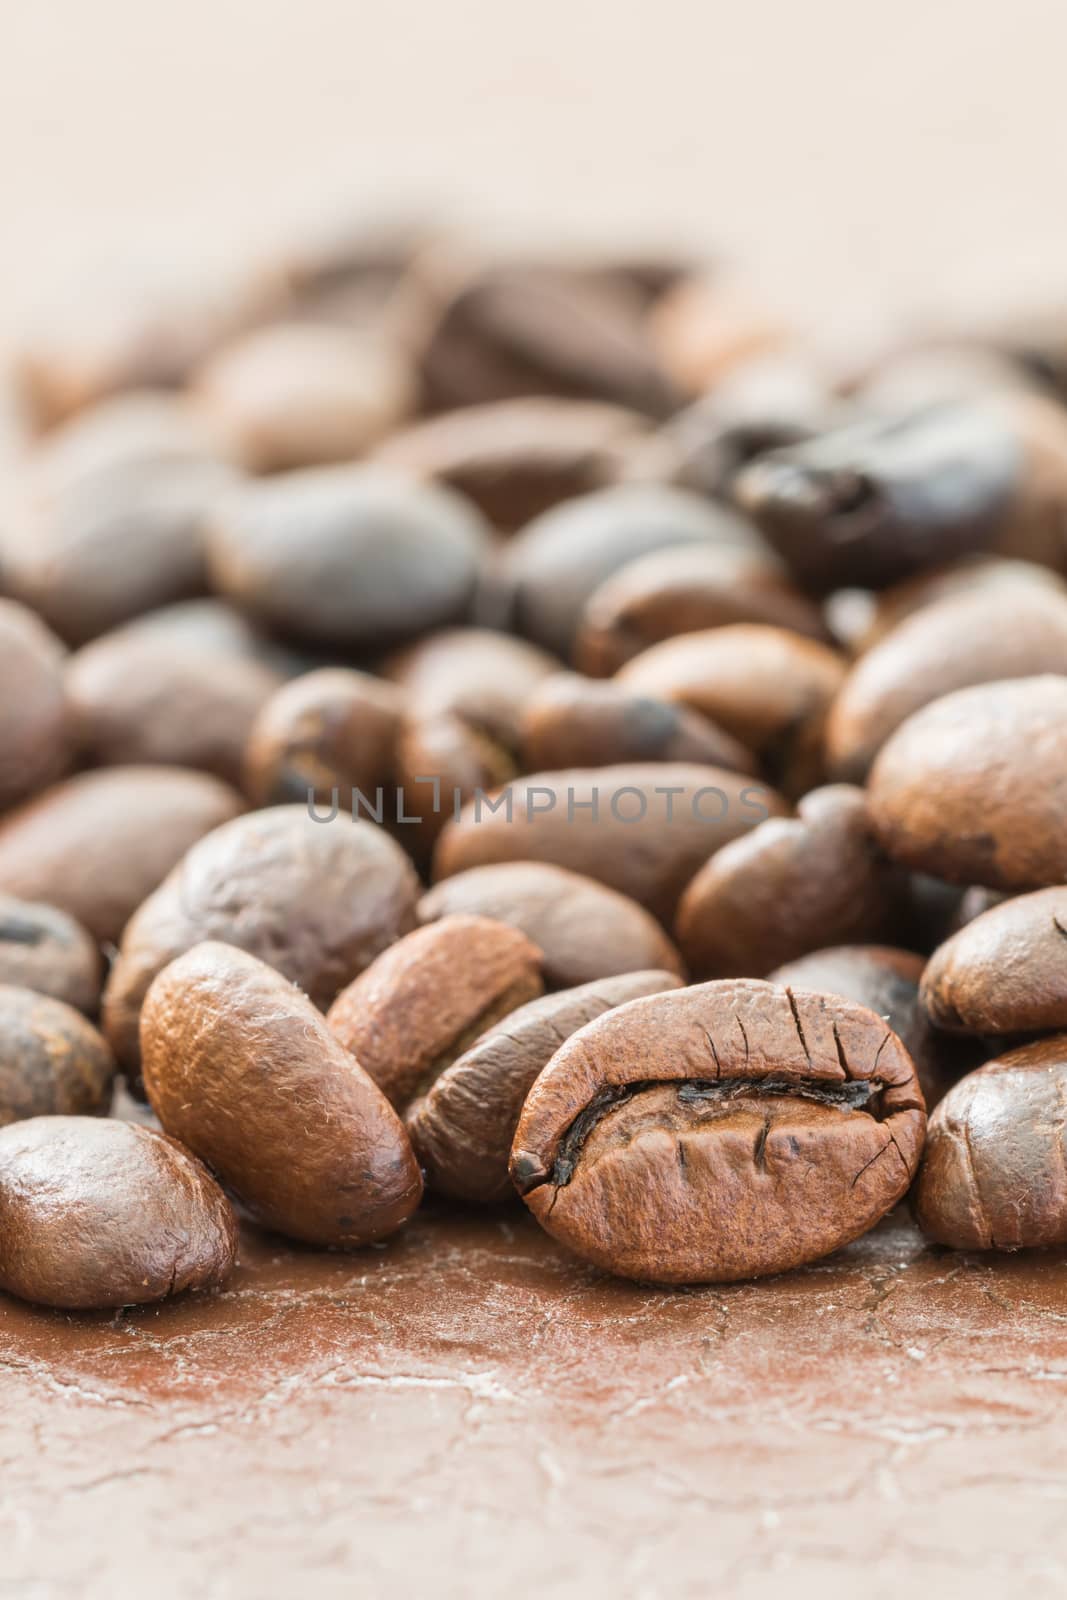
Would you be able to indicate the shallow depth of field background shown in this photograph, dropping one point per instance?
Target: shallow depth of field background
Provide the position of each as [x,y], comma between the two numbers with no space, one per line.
[849,152]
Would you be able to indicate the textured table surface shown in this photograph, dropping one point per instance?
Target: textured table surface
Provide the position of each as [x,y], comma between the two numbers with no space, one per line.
[470,1412]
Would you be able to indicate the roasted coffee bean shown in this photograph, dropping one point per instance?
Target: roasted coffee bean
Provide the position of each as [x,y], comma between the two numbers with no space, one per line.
[993,1174]
[585,931]
[43,949]
[52,1061]
[316,900]
[441,763]
[706,328]
[429,996]
[1006,971]
[482,677]
[296,394]
[463,1125]
[97,1213]
[879,499]
[354,556]
[241,1067]
[686,589]
[764,404]
[135,698]
[35,741]
[767,686]
[969,576]
[329,735]
[99,843]
[107,519]
[973,787]
[643,829]
[517,458]
[559,560]
[886,981]
[720,1132]
[792,885]
[508,329]
[571,720]
[946,646]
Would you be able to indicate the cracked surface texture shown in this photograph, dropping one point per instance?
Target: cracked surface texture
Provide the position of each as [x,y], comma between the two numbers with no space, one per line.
[470,1405]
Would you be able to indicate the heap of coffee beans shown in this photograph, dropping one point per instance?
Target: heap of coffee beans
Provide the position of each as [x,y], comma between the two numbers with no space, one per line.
[511,725]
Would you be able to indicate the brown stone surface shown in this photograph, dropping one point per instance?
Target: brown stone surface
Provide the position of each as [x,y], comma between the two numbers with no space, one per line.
[468,1406]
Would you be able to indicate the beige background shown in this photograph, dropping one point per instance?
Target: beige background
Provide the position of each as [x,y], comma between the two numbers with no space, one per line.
[846,152]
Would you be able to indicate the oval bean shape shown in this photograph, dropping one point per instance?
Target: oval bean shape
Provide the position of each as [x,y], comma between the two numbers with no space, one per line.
[100,1213]
[41,948]
[241,1067]
[720,1132]
[993,1177]
[1005,972]
[52,1060]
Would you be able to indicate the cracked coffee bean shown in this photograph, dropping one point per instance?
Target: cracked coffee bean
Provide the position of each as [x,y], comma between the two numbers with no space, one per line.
[52,1060]
[318,901]
[570,720]
[99,843]
[686,589]
[552,568]
[584,930]
[353,557]
[946,646]
[973,788]
[44,949]
[721,1132]
[886,981]
[1004,972]
[95,1214]
[240,1066]
[462,1126]
[767,686]
[993,1174]
[330,733]
[792,885]
[643,828]
[429,996]
[517,458]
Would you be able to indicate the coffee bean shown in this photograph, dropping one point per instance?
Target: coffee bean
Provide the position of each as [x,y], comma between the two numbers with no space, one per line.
[330,733]
[52,1061]
[945,646]
[296,394]
[43,949]
[1006,971]
[241,1067]
[720,1132]
[792,885]
[35,741]
[586,932]
[877,500]
[138,698]
[98,1213]
[973,787]
[353,557]
[886,981]
[968,576]
[993,1174]
[769,687]
[506,329]
[517,458]
[642,828]
[107,519]
[559,560]
[685,589]
[463,1125]
[483,678]
[316,900]
[571,720]
[99,843]
[441,763]
[429,996]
